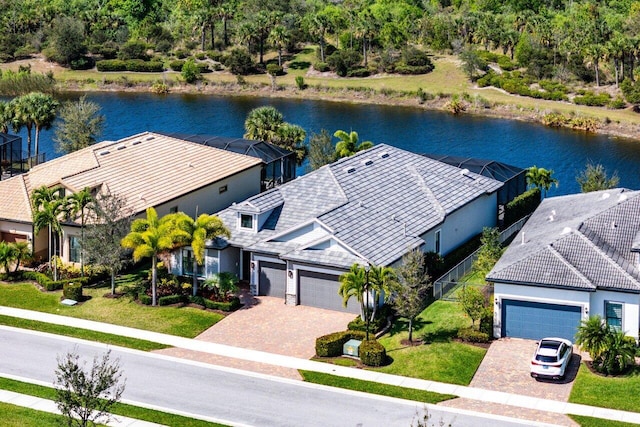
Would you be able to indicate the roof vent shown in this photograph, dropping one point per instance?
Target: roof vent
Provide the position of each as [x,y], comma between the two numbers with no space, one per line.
[350,170]
[368,162]
[464,172]
[384,155]
[104,153]
[622,197]
[136,142]
[551,218]
[122,147]
[566,230]
[613,224]
[189,165]
[360,204]
[605,196]
[150,138]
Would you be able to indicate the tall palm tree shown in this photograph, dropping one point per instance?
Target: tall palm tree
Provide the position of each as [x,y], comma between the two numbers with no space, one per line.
[7,255]
[23,250]
[353,284]
[150,237]
[203,228]
[23,116]
[348,144]
[381,282]
[541,178]
[44,113]
[262,124]
[279,37]
[48,208]
[77,203]
[226,12]
[6,116]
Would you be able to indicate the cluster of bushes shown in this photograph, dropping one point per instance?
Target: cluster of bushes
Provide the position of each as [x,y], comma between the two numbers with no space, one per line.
[379,322]
[577,123]
[137,65]
[520,84]
[503,61]
[473,335]
[372,353]
[592,99]
[522,205]
[631,91]
[46,282]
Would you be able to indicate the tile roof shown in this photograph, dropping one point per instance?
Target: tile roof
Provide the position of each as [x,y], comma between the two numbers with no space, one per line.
[146,169]
[593,234]
[377,202]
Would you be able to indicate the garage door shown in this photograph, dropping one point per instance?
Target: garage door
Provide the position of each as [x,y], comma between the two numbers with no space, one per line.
[273,279]
[531,320]
[321,290]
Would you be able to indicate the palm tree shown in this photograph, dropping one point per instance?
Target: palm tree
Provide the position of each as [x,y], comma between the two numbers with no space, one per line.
[7,255]
[203,228]
[23,116]
[225,13]
[48,208]
[6,116]
[592,336]
[150,237]
[353,284]
[23,250]
[619,353]
[77,203]
[381,281]
[291,137]
[44,113]
[541,178]
[279,37]
[262,124]
[348,144]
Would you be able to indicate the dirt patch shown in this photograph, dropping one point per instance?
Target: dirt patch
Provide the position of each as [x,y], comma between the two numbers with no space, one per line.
[38,65]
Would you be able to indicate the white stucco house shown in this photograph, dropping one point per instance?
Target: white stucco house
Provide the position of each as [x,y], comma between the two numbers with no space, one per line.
[147,170]
[294,241]
[577,256]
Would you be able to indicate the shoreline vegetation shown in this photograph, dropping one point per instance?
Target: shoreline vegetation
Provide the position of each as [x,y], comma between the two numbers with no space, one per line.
[445,89]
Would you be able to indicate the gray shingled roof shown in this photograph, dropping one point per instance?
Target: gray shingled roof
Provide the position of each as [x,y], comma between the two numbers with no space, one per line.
[582,241]
[378,203]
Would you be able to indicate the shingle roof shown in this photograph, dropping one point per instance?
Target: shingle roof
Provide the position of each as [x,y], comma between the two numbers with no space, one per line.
[377,202]
[146,169]
[593,234]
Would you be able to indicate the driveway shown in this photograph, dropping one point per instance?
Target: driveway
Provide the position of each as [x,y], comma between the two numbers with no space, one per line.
[505,368]
[267,324]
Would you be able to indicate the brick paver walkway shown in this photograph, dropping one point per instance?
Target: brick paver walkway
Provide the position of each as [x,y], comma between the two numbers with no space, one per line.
[506,368]
[267,324]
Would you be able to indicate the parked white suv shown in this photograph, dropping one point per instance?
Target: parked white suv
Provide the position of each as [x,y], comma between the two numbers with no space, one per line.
[551,358]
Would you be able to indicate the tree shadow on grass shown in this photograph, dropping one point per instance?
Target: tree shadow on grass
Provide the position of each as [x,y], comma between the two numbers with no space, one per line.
[401,325]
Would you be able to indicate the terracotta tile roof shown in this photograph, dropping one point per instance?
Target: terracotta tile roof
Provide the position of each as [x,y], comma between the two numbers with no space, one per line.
[147,169]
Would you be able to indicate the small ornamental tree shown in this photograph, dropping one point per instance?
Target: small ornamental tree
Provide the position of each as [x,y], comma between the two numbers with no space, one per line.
[595,178]
[411,287]
[472,302]
[84,396]
[489,252]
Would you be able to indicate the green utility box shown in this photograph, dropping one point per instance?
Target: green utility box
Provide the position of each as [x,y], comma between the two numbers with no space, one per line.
[352,348]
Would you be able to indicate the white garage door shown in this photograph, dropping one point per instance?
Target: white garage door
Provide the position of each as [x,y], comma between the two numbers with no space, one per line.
[321,290]
[273,279]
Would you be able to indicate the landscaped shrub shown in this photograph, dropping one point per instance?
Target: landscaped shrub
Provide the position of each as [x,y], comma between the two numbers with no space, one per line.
[591,99]
[107,65]
[176,65]
[359,72]
[331,345]
[72,290]
[300,83]
[522,205]
[144,299]
[160,88]
[505,63]
[200,56]
[171,299]
[631,91]
[617,104]
[215,55]
[181,53]
[204,68]
[133,49]
[342,61]
[239,62]
[473,335]
[231,305]
[372,353]
[321,67]
[83,63]
[141,66]
[486,321]
[163,46]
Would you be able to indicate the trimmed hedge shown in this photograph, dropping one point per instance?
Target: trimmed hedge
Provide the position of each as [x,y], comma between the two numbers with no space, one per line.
[522,206]
[372,353]
[50,285]
[136,65]
[107,65]
[413,69]
[144,298]
[171,299]
[473,335]
[232,305]
[72,290]
[176,65]
[331,345]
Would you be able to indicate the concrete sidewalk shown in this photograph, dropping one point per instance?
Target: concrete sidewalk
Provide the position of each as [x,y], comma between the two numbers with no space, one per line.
[477,394]
[45,405]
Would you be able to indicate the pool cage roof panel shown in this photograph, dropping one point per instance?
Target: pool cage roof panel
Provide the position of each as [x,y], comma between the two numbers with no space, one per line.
[513,177]
[262,150]
[8,139]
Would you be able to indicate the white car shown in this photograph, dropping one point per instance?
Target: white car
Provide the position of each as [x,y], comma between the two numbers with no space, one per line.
[551,358]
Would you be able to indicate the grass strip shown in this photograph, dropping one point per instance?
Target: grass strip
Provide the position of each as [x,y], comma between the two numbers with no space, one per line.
[85,334]
[613,392]
[598,422]
[374,388]
[19,416]
[122,409]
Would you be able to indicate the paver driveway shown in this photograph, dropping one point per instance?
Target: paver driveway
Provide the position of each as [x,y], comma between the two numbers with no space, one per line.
[267,324]
[506,368]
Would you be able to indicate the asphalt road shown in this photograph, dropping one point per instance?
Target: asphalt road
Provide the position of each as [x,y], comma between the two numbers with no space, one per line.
[230,397]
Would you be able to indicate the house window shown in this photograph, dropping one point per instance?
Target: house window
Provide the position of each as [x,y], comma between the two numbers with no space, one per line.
[75,253]
[173,209]
[187,264]
[613,314]
[222,189]
[212,263]
[436,243]
[246,221]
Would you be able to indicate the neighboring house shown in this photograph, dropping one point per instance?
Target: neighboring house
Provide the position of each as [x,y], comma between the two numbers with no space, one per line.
[148,170]
[279,164]
[295,240]
[577,256]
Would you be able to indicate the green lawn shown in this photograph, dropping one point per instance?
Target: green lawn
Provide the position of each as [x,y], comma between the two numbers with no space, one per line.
[440,358]
[118,409]
[598,422]
[608,392]
[374,388]
[186,322]
[18,416]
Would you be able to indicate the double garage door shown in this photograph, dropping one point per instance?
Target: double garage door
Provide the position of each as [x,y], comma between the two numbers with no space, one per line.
[532,320]
[321,290]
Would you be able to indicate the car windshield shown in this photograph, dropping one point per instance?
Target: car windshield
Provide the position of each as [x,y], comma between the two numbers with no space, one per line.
[546,359]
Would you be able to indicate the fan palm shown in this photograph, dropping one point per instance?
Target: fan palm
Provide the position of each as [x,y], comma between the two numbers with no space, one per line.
[7,255]
[150,237]
[262,124]
[77,203]
[203,228]
[23,116]
[44,113]
[23,250]
[592,336]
